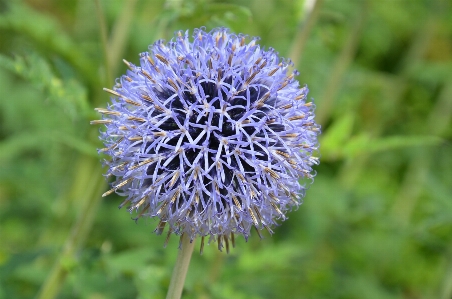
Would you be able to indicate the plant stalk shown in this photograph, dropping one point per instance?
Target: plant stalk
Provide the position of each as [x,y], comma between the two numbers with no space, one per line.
[180,268]
[76,238]
[341,65]
[309,19]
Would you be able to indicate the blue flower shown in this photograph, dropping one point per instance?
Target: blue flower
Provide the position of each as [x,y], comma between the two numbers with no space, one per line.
[210,135]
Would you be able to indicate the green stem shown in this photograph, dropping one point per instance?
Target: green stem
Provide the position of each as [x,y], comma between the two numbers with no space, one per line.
[437,123]
[104,40]
[80,230]
[119,35]
[180,269]
[308,21]
[415,177]
[90,194]
[394,89]
[446,286]
[342,63]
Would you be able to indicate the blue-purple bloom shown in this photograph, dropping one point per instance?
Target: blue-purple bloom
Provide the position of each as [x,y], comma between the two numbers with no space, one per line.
[210,135]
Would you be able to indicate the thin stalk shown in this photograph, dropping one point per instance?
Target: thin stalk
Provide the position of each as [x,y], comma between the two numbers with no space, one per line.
[180,269]
[80,230]
[309,18]
[415,177]
[437,123]
[104,40]
[395,88]
[446,286]
[119,35]
[91,194]
[342,63]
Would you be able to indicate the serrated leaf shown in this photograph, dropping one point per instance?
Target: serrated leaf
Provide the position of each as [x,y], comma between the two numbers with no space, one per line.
[46,32]
[69,94]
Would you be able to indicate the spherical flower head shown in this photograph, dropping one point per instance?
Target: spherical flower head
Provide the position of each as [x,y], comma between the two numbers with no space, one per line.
[210,135]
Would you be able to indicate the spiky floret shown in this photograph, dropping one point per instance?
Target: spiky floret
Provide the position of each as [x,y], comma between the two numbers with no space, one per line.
[210,135]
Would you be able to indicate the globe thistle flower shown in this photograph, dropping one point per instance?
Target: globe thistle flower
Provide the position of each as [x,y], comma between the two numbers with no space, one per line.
[210,136]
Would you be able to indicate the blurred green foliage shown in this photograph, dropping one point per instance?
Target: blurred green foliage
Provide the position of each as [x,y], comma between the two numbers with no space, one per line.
[377,222]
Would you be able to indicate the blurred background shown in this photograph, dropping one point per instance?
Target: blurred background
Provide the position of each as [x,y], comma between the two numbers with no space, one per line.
[376,223]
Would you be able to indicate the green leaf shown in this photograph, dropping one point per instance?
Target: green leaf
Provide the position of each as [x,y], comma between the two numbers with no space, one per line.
[130,261]
[332,141]
[46,32]
[337,142]
[15,145]
[69,94]
[363,144]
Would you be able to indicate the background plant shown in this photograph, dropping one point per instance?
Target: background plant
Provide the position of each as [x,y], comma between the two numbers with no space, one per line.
[376,224]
